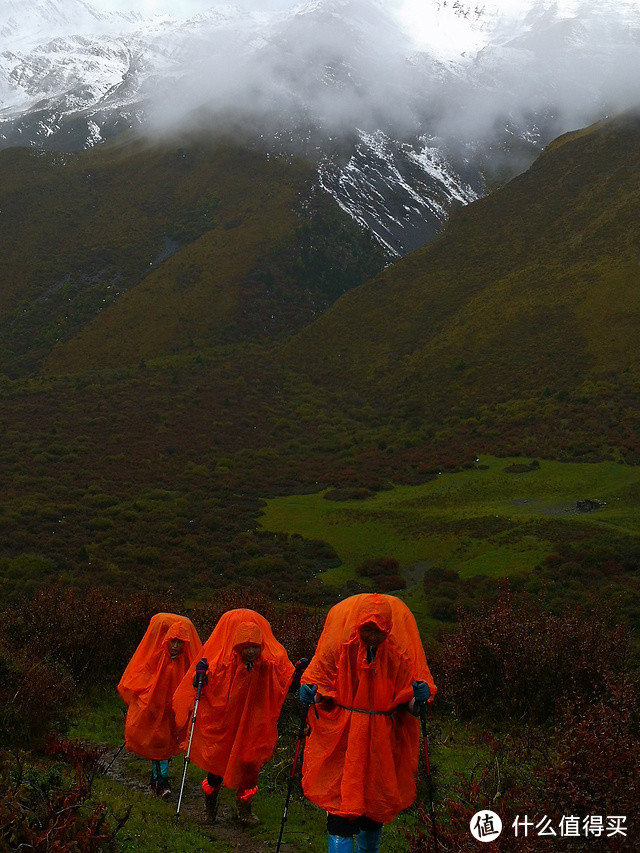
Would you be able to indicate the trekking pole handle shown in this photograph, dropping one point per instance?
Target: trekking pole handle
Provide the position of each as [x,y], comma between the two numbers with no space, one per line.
[201,673]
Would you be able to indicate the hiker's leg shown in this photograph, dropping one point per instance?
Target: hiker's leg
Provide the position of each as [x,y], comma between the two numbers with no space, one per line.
[163,789]
[211,787]
[340,833]
[243,803]
[368,839]
[155,776]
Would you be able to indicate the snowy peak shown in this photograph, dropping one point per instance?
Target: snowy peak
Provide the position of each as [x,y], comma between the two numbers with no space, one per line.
[31,22]
[407,106]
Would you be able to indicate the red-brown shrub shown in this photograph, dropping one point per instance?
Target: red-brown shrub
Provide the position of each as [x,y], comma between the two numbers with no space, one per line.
[512,660]
[92,633]
[587,765]
[387,583]
[377,566]
[41,813]
[297,628]
[35,692]
[598,767]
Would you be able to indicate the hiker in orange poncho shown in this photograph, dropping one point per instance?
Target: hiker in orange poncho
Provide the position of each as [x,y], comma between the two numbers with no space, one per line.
[236,725]
[361,757]
[167,650]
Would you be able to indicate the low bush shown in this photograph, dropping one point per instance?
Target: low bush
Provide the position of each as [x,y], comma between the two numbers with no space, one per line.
[598,767]
[90,633]
[35,693]
[575,779]
[41,810]
[385,572]
[378,566]
[512,660]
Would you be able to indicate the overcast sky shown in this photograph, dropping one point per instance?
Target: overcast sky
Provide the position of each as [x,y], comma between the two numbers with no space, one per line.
[541,62]
[185,8]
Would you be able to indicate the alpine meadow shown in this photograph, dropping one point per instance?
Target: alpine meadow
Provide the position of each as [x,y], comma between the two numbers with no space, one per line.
[220,391]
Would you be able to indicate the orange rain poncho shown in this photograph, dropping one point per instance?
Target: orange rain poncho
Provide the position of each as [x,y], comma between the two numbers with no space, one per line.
[236,726]
[361,757]
[149,681]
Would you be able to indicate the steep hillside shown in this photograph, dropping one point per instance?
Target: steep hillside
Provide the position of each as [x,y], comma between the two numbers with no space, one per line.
[533,292]
[125,252]
[514,335]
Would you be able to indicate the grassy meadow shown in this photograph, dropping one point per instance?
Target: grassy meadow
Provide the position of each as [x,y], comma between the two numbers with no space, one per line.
[501,518]
[479,521]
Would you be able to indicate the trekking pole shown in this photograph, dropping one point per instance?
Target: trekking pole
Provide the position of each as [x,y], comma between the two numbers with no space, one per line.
[201,673]
[423,722]
[110,764]
[303,722]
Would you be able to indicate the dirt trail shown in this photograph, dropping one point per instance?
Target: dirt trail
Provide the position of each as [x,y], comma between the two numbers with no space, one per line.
[126,770]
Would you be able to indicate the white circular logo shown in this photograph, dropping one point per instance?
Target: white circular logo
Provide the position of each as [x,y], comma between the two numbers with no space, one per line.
[485,825]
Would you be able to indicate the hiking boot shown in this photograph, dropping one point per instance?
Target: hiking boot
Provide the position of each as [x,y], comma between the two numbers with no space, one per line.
[163,789]
[153,786]
[244,813]
[211,806]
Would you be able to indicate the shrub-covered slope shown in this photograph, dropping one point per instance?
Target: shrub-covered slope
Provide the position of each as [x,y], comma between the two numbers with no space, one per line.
[533,291]
[513,335]
[126,252]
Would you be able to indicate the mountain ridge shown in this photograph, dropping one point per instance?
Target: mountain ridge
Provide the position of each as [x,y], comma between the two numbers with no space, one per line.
[516,299]
[324,76]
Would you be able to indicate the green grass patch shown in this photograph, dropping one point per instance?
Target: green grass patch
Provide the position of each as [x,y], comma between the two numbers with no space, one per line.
[99,717]
[151,827]
[479,521]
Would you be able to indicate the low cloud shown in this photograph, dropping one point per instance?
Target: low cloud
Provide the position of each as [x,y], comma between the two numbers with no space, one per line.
[336,66]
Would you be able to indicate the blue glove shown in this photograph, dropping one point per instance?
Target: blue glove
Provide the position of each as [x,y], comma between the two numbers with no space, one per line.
[307,693]
[201,676]
[421,691]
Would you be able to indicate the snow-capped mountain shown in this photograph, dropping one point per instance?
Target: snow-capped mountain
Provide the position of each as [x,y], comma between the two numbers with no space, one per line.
[408,109]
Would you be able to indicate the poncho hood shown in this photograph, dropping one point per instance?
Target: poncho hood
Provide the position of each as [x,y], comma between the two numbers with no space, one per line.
[375,610]
[247,633]
[180,630]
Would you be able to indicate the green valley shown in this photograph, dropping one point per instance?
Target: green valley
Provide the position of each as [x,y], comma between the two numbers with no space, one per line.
[482,520]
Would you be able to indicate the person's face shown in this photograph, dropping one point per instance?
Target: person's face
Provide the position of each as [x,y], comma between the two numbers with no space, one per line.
[250,654]
[371,635]
[175,647]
